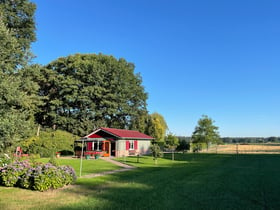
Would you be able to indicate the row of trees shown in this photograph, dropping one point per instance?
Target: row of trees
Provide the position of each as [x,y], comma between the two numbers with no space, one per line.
[250,140]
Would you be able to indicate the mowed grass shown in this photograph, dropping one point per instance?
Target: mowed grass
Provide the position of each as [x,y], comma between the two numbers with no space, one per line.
[88,166]
[192,181]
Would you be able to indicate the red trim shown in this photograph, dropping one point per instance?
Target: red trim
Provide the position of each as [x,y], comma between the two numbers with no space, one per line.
[89,146]
[135,144]
[94,135]
[127,145]
[120,133]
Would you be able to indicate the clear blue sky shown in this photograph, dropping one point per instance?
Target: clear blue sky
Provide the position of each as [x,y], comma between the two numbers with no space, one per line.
[219,58]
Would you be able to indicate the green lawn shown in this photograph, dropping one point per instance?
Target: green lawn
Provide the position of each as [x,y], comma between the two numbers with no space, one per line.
[193,181]
[88,166]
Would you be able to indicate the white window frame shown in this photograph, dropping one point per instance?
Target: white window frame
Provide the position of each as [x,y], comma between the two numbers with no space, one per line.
[131,145]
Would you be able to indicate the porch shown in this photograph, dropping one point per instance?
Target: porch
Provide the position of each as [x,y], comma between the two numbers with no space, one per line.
[94,147]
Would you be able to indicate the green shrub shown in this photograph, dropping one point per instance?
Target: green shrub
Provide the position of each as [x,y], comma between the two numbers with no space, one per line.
[156,151]
[49,142]
[26,180]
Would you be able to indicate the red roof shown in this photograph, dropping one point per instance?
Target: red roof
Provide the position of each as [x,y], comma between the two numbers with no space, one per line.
[121,133]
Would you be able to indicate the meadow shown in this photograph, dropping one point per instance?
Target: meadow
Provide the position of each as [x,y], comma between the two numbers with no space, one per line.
[192,181]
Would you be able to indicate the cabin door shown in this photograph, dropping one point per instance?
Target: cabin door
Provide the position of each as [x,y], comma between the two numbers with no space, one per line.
[113,148]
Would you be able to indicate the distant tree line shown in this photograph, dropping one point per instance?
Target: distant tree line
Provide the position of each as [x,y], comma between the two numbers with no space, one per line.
[250,140]
[185,141]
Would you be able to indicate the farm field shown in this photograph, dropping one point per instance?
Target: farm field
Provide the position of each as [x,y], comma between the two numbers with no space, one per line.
[192,181]
[246,149]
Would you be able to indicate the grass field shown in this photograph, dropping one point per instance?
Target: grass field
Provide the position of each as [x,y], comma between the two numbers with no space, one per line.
[192,181]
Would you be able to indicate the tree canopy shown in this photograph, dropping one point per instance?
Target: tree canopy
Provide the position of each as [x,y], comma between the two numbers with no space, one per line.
[171,141]
[18,16]
[84,91]
[157,126]
[18,95]
[206,132]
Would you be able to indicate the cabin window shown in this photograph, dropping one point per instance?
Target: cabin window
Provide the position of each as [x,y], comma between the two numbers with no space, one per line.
[131,145]
[97,145]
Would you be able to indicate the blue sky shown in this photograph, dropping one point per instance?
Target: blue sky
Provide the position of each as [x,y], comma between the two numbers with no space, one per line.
[196,57]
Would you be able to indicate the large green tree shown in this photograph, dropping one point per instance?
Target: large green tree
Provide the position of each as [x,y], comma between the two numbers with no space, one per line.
[84,91]
[205,132]
[17,94]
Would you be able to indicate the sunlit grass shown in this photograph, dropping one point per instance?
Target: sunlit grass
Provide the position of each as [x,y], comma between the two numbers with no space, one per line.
[88,166]
[192,181]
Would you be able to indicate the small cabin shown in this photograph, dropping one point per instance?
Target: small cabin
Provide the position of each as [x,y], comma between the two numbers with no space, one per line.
[114,142]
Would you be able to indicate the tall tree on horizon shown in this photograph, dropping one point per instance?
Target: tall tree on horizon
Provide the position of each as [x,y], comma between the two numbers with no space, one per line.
[205,132]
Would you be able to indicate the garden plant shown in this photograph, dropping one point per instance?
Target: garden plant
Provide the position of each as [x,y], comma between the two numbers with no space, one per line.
[36,176]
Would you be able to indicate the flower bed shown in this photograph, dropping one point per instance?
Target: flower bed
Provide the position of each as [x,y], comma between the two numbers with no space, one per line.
[36,176]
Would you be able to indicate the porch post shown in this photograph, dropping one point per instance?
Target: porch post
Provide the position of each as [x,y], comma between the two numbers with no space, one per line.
[109,148]
[81,162]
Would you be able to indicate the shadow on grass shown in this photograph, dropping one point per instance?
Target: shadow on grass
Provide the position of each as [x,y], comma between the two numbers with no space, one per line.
[193,182]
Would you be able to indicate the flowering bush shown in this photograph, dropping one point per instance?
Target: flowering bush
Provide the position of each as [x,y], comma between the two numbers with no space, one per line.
[10,174]
[38,176]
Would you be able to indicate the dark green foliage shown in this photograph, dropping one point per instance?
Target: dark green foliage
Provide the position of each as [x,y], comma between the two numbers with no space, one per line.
[9,49]
[18,94]
[184,144]
[85,91]
[241,140]
[16,112]
[141,122]
[196,147]
[39,176]
[18,16]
